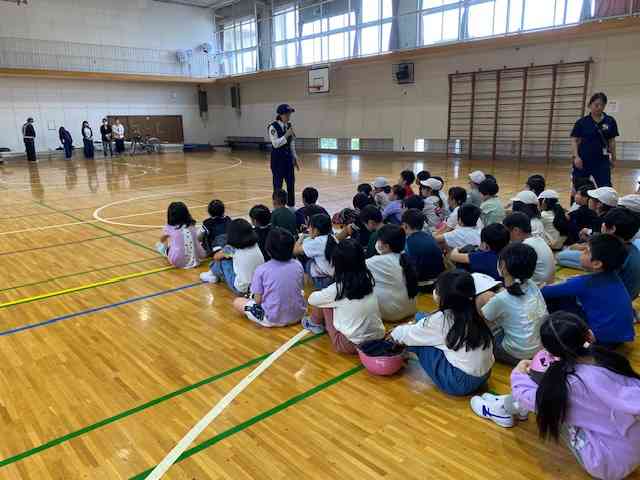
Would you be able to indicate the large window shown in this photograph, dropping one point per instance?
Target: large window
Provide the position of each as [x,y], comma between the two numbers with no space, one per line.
[285,35]
[239,42]
[375,26]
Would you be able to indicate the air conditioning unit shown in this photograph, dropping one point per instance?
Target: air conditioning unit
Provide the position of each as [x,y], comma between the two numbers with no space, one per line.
[403,73]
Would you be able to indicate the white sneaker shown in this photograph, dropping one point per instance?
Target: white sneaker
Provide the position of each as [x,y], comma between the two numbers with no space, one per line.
[492,409]
[208,277]
[520,414]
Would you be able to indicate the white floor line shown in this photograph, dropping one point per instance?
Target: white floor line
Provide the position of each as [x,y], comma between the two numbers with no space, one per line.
[199,427]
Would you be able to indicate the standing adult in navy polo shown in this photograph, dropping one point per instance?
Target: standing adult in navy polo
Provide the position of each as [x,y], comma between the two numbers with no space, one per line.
[283,155]
[593,143]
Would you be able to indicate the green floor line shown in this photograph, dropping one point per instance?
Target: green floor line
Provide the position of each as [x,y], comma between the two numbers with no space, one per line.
[74,242]
[140,408]
[258,418]
[100,227]
[53,279]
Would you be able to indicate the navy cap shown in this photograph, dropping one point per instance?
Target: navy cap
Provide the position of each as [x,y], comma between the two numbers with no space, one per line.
[284,108]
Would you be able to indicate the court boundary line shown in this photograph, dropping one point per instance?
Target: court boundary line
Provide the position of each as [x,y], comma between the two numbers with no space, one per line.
[81,288]
[144,406]
[89,311]
[53,279]
[259,417]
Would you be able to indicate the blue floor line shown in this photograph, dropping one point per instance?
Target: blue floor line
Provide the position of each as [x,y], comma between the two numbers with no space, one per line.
[89,311]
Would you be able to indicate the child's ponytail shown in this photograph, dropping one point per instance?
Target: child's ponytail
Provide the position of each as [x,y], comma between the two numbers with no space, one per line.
[519,260]
[560,222]
[552,398]
[410,275]
[322,223]
[330,247]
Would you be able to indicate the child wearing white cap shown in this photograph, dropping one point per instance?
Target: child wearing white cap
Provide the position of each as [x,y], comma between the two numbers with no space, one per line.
[601,200]
[527,202]
[632,203]
[475,179]
[433,206]
[381,191]
[554,219]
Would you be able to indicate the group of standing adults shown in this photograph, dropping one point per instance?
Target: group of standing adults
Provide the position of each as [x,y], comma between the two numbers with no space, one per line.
[108,133]
[593,146]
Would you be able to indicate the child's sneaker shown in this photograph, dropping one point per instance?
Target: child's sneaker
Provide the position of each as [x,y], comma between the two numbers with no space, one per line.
[307,324]
[208,277]
[520,414]
[161,248]
[492,408]
[254,312]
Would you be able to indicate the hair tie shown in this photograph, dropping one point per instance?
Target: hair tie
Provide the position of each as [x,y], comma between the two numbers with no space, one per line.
[517,281]
[586,345]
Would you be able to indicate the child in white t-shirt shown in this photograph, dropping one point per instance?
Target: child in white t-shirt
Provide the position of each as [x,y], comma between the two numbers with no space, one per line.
[467,231]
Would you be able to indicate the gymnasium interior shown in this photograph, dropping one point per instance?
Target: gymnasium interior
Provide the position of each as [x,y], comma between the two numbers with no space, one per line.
[110,355]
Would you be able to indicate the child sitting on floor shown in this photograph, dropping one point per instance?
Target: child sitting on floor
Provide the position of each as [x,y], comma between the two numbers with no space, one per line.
[277,286]
[515,313]
[580,215]
[179,240]
[318,248]
[422,250]
[473,194]
[281,215]
[467,231]
[213,234]
[348,309]
[599,297]
[366,189]
[407,177]
[494,238]
[622,223]
[527,202]
[309,198]
[433,206]
[237,261]
[393,212]
[588,397]
[457,198]
[396,284]
[371,219]
[453,344]
[261,220]
[536,183]
[381,192]
[491,207]
[554,219]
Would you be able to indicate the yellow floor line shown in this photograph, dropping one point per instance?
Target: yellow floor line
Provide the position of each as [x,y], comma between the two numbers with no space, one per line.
[84,287]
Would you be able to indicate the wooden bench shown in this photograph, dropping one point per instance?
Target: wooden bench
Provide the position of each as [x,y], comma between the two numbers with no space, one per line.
[234,142]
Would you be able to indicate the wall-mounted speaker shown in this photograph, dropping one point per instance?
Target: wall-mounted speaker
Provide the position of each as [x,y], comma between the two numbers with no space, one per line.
[235,96]
[403,73]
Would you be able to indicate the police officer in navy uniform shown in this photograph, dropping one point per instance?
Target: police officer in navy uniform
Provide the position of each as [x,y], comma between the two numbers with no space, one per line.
[29,138]
[283,155]
[593,143]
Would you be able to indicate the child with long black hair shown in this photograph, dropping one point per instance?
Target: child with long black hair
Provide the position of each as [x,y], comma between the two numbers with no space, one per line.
[396,281]
[348,309]
[515,313]
[318,248]
[554,219]
[237,261]
[588,396]
[179,240]
[453,344]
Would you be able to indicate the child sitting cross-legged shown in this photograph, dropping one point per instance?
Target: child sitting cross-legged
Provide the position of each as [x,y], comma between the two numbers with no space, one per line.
[457,198]
[179,241]
[495,238]
[599,297]
[587,396]
[281,215]
[554,219]
[318,249]
[422,250]
[453,344]
[309,199]
[396,284]
[348,309]
[277,286]
[213,234]
[433,205]
[515,313]
[238,260]
[467,231]
[392,213]
[261,220]
[491,206]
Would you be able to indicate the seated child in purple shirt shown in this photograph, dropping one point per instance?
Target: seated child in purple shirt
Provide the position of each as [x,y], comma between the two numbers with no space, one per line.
[589,397]
[179,240]
[277,286]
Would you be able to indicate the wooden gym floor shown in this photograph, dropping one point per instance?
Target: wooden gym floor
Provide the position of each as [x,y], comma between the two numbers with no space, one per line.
[108,356]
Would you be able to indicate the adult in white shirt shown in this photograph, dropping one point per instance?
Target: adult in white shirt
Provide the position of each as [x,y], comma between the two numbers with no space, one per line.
[396,284]
[283,154]
[519,227]
[118,135]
